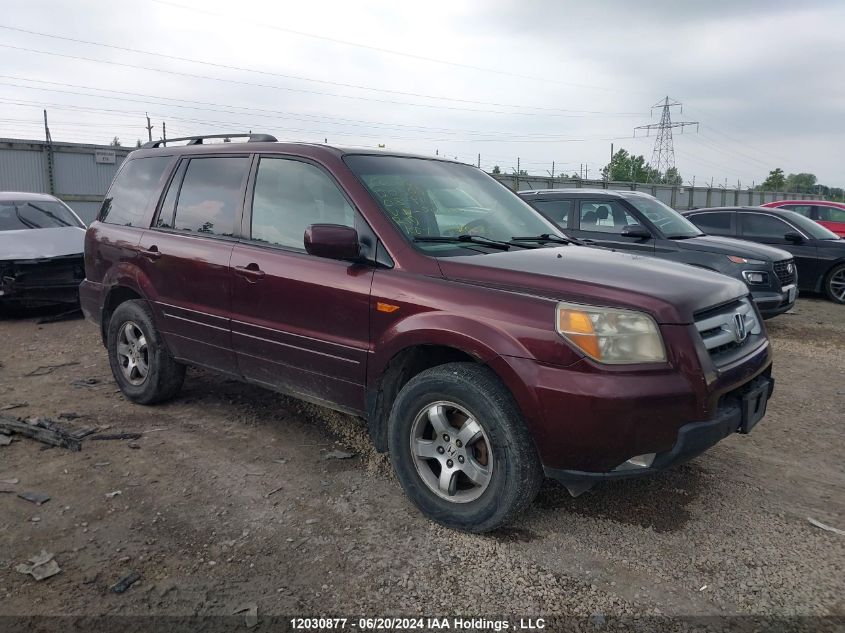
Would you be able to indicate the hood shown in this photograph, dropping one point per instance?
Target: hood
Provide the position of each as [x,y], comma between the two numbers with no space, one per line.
[731,246]
[41,243]
[669,291]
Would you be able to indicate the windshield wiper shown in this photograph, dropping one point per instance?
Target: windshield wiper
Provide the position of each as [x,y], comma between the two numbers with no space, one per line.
[464,239]
[548,237]
[27,223]
[49,214]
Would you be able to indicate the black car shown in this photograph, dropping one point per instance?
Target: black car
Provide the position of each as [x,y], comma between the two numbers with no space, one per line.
[819,253]
[639,223]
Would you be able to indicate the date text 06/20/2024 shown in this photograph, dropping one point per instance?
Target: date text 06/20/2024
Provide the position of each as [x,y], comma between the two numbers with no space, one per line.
[416,624]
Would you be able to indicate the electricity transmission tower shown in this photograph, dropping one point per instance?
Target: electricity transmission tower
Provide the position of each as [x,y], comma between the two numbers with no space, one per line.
[663,156]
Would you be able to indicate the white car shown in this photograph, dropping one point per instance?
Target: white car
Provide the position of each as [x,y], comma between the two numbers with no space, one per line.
[41,250]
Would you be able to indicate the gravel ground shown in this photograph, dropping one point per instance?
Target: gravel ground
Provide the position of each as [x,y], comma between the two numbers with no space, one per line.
[228,499]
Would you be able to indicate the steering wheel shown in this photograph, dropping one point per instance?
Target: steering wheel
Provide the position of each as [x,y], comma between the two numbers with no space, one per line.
[481,226]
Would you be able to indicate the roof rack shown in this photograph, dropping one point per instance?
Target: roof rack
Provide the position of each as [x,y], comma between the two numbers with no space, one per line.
[198,140]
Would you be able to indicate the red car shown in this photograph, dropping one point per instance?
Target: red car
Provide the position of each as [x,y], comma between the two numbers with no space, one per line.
[483,347]
[830,215]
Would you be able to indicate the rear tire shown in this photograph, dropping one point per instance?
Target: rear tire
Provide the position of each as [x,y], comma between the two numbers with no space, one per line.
[495,471]
[140,361]
[834,284]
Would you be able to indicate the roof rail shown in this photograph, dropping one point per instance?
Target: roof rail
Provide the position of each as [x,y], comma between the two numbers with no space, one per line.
[198,140]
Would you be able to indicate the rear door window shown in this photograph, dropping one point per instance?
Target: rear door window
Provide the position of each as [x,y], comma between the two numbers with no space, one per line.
[803,209]
[131,192]
[831,214]
[556,210]
[714,223]
[209,200]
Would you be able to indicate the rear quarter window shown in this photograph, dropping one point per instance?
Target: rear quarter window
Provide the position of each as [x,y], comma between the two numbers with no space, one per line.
[136,182]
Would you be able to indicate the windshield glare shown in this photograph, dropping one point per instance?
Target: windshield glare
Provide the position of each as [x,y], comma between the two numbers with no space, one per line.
[22,214]
[671,223]
[432,198]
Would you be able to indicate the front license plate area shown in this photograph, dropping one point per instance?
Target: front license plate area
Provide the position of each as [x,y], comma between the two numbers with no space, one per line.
[754,403]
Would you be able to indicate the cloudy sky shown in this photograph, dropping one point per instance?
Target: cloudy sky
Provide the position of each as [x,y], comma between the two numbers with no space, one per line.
[541,81]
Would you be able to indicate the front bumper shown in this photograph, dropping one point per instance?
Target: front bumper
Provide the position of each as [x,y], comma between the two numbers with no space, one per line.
[771,303]
[732,416]
[39,282]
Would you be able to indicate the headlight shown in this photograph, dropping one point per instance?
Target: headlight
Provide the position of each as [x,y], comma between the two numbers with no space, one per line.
[610,335]
[736,259]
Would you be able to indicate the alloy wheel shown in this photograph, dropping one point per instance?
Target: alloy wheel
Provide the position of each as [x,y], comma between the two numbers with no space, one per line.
[133,353]
[837,284]
[451,452]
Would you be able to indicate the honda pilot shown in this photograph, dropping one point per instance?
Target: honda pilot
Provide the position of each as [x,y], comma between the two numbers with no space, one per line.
[484,349]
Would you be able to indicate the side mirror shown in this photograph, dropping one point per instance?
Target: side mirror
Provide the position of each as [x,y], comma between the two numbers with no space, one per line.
[636,230]
[795,238]
[332,241]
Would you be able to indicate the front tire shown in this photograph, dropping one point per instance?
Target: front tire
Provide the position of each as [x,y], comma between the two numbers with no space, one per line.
[140,361]
[460,448]
[834,284]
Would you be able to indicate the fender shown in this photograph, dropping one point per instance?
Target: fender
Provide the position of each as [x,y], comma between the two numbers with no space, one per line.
[481,340]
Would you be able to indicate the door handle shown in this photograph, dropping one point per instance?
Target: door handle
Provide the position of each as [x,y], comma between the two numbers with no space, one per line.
[151,253]
[251,272]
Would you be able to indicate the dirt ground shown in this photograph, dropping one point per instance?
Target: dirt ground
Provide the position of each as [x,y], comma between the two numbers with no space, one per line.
[229,499]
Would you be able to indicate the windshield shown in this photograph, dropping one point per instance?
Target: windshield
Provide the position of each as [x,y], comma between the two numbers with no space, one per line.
[810,227]
[16,215]
[431,198]
[671,223]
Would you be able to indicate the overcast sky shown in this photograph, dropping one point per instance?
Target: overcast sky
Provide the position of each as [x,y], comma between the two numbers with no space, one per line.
[540,80]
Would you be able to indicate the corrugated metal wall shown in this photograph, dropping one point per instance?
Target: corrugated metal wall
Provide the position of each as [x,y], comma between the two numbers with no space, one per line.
[78,178]
[679,197]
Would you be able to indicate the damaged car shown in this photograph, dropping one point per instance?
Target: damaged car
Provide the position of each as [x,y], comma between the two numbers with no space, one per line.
[41,246]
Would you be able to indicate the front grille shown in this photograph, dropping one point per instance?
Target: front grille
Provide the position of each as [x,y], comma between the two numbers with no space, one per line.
[785,270]
[727,329]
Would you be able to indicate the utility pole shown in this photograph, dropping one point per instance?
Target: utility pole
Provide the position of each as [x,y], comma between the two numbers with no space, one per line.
[586,171]
[47,129]
[663,156]
[479,161]
[51,181]
[581,172]
[149,128]
[611,153]
[164,131]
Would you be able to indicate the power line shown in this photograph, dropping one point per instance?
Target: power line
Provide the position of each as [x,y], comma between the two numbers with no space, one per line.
[248,110]
[284,88]
[230,18]
[310,79]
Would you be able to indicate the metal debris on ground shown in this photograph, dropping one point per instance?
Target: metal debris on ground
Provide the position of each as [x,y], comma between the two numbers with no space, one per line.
[75,313]
[85,382]
[113,494]
[5,440]
[127,581]
[821,525]
[116,436]
[41,429]
[40,566]
[43,370]
[338,455]
[14,405]
[38,498]
[250,611]
[274,491]
[12,481]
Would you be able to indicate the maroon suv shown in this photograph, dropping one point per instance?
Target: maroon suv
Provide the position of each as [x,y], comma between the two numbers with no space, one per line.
[483,347]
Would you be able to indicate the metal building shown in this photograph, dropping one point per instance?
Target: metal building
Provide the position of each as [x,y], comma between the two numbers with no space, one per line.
[77,173]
